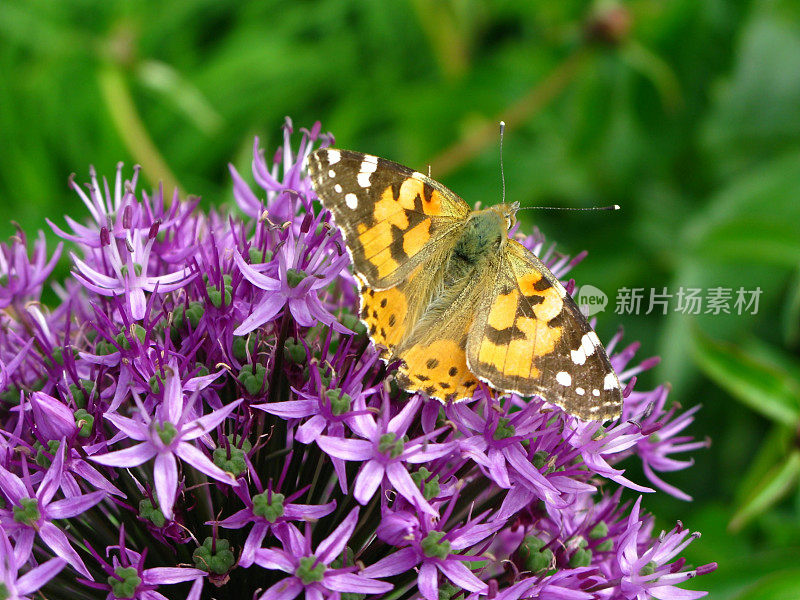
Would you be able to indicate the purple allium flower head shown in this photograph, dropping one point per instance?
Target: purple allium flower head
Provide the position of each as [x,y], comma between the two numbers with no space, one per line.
[201,414]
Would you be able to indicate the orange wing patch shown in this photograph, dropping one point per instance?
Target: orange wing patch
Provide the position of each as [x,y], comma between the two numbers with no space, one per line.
[384,312]
[516,330]
[416,187]
[401,227]
[517,326]
[416,237]
[439,369]
[544,298]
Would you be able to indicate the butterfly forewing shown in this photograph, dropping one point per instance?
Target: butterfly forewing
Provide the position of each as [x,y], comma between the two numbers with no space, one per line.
[391,216]
[530,337]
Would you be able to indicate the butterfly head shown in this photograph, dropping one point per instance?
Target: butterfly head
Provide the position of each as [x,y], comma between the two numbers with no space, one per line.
[486,232]
[509,211]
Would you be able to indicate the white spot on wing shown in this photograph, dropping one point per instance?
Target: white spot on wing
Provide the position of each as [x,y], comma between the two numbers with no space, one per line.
[610,382]
[578,357]
[595,392]
[338,188]
[351,200]
[368,166]
[331,173]
[419,176]
[580,391]
[587,344]
[334,156]
[363,179]
[564,378]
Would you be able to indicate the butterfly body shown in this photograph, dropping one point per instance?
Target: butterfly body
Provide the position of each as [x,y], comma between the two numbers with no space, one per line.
[448,293]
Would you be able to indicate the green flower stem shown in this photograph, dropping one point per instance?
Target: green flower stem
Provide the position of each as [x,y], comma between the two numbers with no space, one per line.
[130,127]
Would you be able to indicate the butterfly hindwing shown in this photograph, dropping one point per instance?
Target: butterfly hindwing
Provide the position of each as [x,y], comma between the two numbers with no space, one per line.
[393,218]
[529,336]
[386,313]
[434,357]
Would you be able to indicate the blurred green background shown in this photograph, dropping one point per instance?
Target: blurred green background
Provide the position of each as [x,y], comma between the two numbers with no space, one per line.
[684,112]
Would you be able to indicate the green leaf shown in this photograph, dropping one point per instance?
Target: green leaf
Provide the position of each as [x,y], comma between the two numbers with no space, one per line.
[754,115]
[769,354]
[791,312]
[754,218]
[782,585]
[766,388]
[772,451]
[775,485]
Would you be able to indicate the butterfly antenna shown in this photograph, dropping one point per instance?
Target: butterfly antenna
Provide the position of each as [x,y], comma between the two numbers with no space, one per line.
[502,172]
[503,182]
[613,207]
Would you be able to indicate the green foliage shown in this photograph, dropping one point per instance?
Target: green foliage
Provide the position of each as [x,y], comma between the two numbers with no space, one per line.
[682,112]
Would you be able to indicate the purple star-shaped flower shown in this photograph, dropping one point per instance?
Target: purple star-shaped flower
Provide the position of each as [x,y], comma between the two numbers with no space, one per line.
[282,189]
[21,278]
[494,441]
[310,571]
[14,587]
[166,436]
[424,544]
[129,277]
[647,571]
[302,273]
[268,510]
[128,576]
[660,440]
[112,213]
[383,452]
[32,513]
